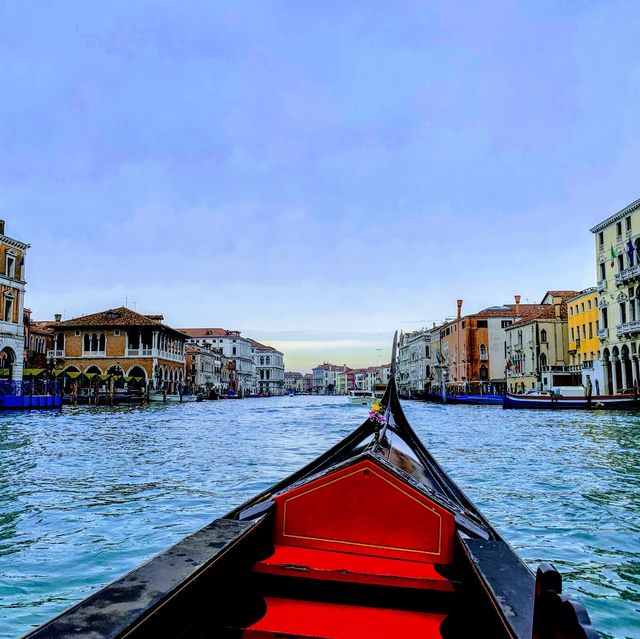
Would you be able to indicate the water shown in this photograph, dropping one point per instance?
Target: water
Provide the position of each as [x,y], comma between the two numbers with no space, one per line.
[89,493]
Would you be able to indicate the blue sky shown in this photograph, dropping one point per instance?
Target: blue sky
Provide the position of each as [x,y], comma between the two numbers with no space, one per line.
[316,174]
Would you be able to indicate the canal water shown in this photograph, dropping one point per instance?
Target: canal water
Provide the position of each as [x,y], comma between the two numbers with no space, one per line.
[86,494]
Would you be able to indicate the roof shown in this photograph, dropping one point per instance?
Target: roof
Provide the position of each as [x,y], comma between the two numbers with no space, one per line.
[209,332]
[565,295]
[592,290]
[116,317]
[262,347]
[617,216]
[545,311]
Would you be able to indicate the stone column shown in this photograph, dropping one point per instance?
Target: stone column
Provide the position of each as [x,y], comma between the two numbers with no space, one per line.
[614,375]
[623,371]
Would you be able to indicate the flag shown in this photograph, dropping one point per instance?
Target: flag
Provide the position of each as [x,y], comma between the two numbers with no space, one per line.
[508,364]
[613,256]
[22,260]
[630,250]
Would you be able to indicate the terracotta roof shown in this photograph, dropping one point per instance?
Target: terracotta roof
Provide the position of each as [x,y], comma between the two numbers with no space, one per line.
[546,311]
[121,316]
[565,295]
[209,332]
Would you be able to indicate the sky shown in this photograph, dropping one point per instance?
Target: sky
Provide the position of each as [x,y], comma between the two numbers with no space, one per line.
[314,174]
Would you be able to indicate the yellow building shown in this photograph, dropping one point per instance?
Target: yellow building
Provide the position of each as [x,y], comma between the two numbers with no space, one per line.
[582,316]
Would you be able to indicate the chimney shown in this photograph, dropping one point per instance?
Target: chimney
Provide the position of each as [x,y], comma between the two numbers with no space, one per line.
[1,227]
[57,317]
[459,303]
[517,299]
[557,302]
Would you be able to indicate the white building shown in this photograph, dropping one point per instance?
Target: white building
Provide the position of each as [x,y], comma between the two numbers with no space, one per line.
[269,368]
[324,378]
[204,367]
[12,281]
[617,244]
[415,367]
[234,347]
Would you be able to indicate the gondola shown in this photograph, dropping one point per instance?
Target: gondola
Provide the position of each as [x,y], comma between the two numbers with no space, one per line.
[595,402]
[372,539]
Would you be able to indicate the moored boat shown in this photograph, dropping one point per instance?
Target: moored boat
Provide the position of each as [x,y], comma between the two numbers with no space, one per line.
[361,397]
[371,539]
[474,400]
[159,396]
[557,401]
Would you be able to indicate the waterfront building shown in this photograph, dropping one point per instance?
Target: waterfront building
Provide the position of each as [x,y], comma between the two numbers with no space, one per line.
[38,340]
[305,383]
[12,288]
[617,250]
[121,342]
[584,345]
[471,348]
[204,367]
[291,379]
[537,347]
[242,376]
[269,367]
[324,378]
[414,361]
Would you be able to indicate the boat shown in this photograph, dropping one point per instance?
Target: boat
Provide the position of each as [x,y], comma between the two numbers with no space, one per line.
[361,397]
[541,400]
[160,396]
[370,540]
[475,400]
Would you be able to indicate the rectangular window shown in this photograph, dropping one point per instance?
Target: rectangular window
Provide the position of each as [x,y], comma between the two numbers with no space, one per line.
[77,333]
[482,324]
[8,310]
[603,271]
[618,229]
[628,224]
[623,313]
[590,330]
[620,263]
[584,331]
[601,238]
[589,305]
[116,333]
[10,267]
[505,323]
[573,338]
[582,307]
[605,318]
[234,350]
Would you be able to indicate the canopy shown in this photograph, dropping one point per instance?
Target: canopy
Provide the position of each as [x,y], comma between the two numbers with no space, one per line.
[32,372]
[104,377]
[73,374]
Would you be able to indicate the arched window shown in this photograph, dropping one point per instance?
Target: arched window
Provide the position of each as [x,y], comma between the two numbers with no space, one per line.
[262,360]
[101,342]
[87,343]
[483,351]
[268,360]
[484,372]
[543,360]
[543,336]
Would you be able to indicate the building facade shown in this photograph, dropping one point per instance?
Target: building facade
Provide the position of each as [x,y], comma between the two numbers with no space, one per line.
[242,377]
[584,345]
[12,289]
[38,340]
[617,251]
[204,368]
[122,342]
[324,378]
[537,347]
[291,379]
[415,366]
[269,368]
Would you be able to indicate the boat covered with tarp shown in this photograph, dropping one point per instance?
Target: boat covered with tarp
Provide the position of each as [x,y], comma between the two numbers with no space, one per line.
[372,539]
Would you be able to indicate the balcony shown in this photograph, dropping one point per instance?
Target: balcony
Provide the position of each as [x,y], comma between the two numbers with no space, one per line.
[628,274]
[484,357]
[517,346]
[603,333]
[94,353]
[601,285]
[55,354]
[628,328]
[139,352]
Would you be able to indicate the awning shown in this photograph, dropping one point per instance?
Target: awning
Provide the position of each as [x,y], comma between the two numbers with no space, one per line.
[57,373]
[90,375]
[138,379]
[32,372]
[73,374]
[104,378]
[128,378]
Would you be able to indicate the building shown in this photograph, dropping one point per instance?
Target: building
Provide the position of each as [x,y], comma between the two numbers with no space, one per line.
[304,384]
[537,347]
[242,377]
[291,379]
[122,342]
[617,249]
[471,348]
[415,367]
[584,345]
[38,341]
[203,368]
[12,289]
[269,367]
[325,377]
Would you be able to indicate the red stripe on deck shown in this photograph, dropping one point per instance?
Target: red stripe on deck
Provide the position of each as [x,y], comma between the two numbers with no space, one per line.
[293,618]
[351,568]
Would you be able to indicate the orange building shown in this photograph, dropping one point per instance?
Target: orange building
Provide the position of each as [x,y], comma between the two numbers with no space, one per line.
[122,342]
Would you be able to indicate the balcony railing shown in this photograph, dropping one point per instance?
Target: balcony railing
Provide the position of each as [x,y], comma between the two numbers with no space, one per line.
[603,333]
[94,353]
[601,285]
[628,328]
[55,354]
[628,274]
[558,369]
[139,352]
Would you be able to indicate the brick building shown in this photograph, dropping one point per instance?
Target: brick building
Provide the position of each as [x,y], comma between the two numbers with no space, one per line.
[122,342]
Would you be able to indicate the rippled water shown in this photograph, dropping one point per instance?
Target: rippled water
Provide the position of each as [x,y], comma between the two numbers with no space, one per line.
[89,493]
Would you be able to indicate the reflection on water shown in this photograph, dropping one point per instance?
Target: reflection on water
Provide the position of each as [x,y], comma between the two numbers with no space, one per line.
[89,493]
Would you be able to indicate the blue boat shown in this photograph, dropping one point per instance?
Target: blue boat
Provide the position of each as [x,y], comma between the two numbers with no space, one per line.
[474,400]
[555,401]
[26,395]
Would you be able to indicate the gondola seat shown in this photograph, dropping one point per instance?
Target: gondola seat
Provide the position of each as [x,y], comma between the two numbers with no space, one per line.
[320,620]
[295,561]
